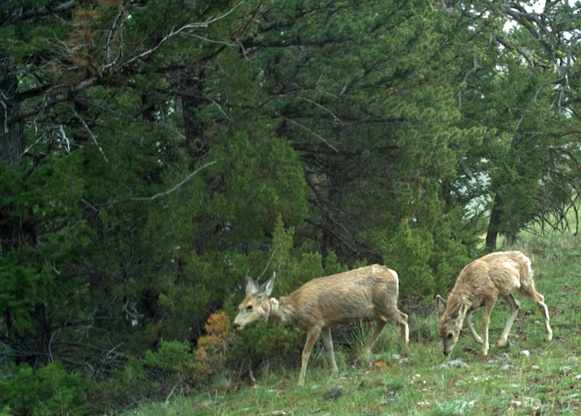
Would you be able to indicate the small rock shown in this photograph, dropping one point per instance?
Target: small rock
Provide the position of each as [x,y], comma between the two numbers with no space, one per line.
[525,353]
[531,402]
[454,364]
[333,394]
[500,359]
[573,359]
[404,361]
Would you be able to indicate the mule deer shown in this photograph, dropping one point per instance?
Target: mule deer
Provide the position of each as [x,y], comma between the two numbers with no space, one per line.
[327,301]
[481,283]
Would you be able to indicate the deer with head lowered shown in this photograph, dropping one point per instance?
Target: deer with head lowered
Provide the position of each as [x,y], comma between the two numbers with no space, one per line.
[481,283]
[327,301]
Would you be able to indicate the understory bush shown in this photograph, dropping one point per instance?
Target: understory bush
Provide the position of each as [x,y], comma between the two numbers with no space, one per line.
[48,390]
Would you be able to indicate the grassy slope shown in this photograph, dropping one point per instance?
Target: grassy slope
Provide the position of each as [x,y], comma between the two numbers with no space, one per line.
[546,382]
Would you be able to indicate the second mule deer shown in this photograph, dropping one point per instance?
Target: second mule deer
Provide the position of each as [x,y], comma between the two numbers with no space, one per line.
[327,301]
[481,283]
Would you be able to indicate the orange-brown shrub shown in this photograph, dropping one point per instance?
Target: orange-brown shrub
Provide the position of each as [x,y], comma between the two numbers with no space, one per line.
[210,353]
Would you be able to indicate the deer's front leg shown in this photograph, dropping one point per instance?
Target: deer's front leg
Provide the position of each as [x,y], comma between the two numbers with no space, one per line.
[485,324]
[312,336]
[514,306]
[470,326]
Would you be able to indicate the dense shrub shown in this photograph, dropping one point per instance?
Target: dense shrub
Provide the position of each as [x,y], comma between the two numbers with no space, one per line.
[48,390]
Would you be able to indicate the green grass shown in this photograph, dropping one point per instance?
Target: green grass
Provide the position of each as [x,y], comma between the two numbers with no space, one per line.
[547,382]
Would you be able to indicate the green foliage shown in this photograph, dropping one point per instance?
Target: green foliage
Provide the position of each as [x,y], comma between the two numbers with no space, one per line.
[48,390]
[282,243]
[409,253]
[23,287]
[262,343]
[426,263]
[171,356]
[131,380]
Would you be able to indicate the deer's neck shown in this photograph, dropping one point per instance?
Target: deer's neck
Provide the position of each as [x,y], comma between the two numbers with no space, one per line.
[283,310]
[456,300]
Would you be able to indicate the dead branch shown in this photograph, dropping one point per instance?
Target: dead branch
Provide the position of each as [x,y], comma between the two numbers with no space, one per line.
[302,126]
[158,195]
[90,134]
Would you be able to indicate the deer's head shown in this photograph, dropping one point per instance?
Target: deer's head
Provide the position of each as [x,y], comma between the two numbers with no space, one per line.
[451,320]
[257,305]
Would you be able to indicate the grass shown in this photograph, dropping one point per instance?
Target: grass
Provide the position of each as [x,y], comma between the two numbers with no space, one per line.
[547,381]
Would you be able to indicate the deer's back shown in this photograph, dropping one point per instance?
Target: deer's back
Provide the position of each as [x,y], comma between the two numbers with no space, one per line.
[345,297]
[502,272]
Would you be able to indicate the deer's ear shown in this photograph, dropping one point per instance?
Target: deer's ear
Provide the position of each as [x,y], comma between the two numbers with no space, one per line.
[251,286]
[440,305]
[266,289]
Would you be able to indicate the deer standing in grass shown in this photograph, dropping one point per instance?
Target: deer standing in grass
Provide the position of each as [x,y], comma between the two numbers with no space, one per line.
[327,301]
[481,283]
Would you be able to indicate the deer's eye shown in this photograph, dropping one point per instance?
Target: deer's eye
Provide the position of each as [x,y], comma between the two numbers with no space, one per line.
[249,308]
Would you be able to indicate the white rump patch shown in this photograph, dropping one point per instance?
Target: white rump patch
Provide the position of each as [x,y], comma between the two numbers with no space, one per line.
[529,268]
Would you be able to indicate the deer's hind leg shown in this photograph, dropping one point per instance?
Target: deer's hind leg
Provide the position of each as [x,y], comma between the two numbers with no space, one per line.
[379,324]
[528,290]
[545,313]
[328,341]
[402,321]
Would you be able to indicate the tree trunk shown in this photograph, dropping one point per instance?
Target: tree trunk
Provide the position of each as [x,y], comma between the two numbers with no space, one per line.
[193,84]
[493,225]
[11,135]
[18,230]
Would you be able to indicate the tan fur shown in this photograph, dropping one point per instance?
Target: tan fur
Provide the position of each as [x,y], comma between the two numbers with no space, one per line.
[327,301]
[481,283]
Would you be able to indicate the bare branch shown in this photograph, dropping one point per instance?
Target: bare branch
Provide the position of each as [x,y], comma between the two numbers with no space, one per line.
[159,195]
[170,35]
[166,402]
[308,130]
[322,107]
[111,36]
[267,265]
[90,134]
